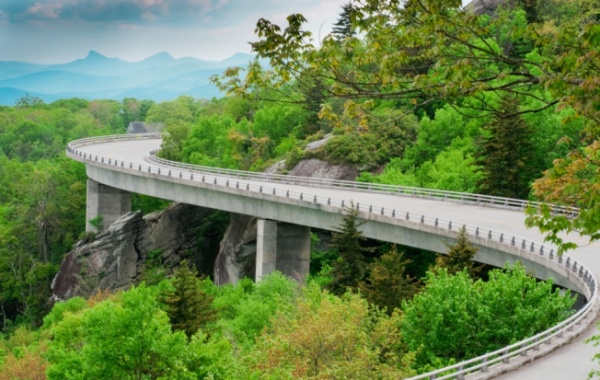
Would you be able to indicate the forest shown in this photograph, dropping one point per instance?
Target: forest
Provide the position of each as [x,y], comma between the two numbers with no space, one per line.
[415,93]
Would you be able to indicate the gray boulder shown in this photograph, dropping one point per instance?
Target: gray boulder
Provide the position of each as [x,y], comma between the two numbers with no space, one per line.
[114,259]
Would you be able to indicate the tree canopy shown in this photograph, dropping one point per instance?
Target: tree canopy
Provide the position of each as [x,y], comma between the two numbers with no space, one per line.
[420,54]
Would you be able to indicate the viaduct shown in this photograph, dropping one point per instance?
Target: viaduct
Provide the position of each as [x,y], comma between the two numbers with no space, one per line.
[288,207]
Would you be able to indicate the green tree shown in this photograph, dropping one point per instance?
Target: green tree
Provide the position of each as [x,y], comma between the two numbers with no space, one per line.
[351,267]
[212,358]
[325,337]
[278,122]
[208,142]
[573,181]
[453,169]
[178,111]
[459,256]
[130,339]
[436,133]
[135,110]
[506,154]
[30,101]
[246,308]
[188,306]
[518,306]
[417,53]
[343,28]
[455,317]
[388,283]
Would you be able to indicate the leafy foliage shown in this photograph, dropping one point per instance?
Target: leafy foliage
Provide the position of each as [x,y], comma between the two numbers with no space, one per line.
[351,267]
[189,307]
[388,283]
[247,308]
[455,317]
[573,181]
[330,337]
[28,365]
[343,28]
[425,54]
[506,154]
[420,88]
[42,193]
[459,256]
[127,339]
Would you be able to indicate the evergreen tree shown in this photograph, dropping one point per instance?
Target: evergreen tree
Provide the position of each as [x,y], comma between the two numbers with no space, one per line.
[350,267]
[506,153]
[343,28]
[460,256]
[388,284]
[188,306]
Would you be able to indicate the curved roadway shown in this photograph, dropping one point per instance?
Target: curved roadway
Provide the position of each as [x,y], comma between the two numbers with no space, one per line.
[573,361]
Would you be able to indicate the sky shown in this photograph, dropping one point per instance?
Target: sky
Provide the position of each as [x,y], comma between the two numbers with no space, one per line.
[59,31]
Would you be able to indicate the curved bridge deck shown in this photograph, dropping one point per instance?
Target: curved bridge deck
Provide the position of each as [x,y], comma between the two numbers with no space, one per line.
[124,163]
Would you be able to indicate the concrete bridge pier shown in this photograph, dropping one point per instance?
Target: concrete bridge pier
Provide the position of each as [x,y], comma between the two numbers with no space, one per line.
[105,201]
[283,247]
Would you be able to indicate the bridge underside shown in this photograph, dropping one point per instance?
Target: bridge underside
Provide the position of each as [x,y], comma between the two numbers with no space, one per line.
[282,247]
[317,215]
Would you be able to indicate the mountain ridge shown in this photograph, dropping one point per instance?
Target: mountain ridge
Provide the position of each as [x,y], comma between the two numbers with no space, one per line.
[158,77]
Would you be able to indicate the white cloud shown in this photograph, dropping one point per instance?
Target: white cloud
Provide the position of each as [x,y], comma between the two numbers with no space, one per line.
[45,10]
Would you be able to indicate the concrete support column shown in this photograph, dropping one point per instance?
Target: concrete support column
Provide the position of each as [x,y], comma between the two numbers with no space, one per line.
[284,247]
[105,201]
[293,250]
[266,247]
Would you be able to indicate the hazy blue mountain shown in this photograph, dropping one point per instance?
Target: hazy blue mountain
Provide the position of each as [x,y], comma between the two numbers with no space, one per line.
[9,95]
[94,64]
[159,77]
[13,69]
[53,81]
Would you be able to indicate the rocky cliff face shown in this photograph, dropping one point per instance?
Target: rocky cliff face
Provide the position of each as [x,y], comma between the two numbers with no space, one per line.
[115,258]
[237,255]
[315,168]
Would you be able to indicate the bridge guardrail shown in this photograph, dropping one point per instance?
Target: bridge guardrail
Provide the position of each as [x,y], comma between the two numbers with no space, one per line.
[416,192]
[479,199]
[480,365]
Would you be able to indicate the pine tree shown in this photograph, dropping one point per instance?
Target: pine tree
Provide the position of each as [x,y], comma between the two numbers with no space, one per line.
[343,28]
[350,267]
[506,154]
[188,306]
[388,284]
[460,256]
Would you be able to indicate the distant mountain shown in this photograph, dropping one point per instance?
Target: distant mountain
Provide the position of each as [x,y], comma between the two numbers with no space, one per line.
[159,77]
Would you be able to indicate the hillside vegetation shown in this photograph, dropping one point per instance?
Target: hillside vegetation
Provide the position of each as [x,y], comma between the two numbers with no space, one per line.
[415,93]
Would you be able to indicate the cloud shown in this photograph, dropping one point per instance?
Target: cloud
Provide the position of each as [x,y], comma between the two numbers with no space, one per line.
[111,11]
[44,11]
[174,13]
[53,31]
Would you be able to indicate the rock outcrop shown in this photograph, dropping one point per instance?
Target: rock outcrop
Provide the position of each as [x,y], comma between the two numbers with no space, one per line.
[315,168]
[237,255]
[480,7]
[114,259]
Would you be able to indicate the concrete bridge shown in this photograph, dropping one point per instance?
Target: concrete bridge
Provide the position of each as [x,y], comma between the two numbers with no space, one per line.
[287,207]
